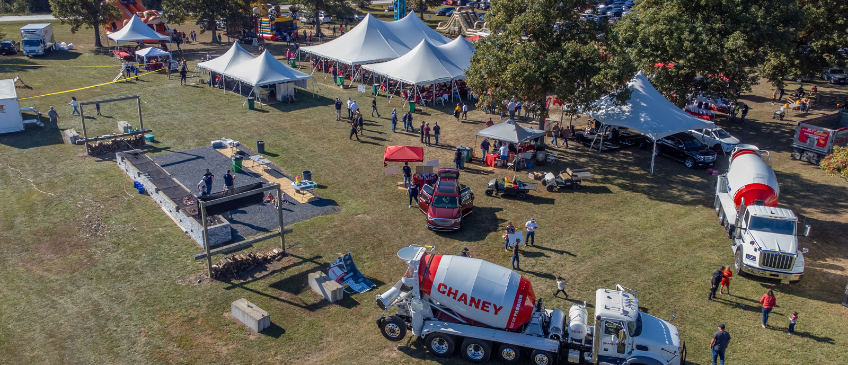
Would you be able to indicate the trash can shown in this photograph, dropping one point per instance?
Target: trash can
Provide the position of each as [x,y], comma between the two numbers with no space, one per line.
[260,147]
[340,80]
[293,63]
[307,175]
[250,102]
[237,159]
[468,153]
[375,87]
[529,163]
[412,107]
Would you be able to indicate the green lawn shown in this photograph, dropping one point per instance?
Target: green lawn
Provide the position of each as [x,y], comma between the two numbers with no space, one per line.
[91,272]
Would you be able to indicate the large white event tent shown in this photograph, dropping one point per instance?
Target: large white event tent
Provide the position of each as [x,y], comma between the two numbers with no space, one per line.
[428,64]
[135,30]
[264,70]
[373,40]
[647,112]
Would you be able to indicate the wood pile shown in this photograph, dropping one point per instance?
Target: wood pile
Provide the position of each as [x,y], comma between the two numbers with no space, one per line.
[234,266]
[115,145]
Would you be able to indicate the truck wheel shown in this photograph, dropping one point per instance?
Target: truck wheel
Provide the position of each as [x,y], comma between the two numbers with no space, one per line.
[796,153]
[730,229]
[440,344]
[540,357]
[550,188]
[521,196]
[690,162]
[393,328]
[737,263]
[721,221]
[476,351]
[489,192]
[509,353]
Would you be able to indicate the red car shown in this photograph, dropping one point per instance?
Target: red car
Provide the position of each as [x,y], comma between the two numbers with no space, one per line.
[446,202]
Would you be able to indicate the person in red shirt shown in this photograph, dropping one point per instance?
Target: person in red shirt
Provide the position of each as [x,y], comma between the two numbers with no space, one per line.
[768,300]
[725,281]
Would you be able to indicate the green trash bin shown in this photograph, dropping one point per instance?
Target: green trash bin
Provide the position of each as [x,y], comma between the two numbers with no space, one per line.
[293,63]
[237,159]
[340,80]
[412,107]
[250,103]
[375,87]
[468,152]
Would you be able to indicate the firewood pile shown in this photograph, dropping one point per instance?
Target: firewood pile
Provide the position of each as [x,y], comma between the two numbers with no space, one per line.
[115,145]
[234,266]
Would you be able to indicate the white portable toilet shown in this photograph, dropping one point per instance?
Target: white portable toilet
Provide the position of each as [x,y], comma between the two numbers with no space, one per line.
[10,112]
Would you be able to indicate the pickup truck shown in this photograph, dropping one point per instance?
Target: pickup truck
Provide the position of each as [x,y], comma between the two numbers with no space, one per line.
[446,202]
[716,139]
[814,139]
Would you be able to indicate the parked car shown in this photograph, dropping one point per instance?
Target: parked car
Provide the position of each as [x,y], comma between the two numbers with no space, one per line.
[9,47]
[484,5]
[446,202]
[716,139]
[687,149]
[445,11]
[834,75]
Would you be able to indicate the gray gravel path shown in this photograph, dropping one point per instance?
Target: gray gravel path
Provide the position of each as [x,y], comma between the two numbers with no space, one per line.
[189,166]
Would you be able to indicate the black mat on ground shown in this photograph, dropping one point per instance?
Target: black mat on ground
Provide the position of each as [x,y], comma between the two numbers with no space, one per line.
[189,166]
[276,174]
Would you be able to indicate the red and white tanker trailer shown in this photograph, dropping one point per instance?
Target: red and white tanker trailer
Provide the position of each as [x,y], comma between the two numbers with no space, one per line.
[765,237]
[485,309]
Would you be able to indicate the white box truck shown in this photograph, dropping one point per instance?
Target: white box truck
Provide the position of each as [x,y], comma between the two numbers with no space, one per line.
[36,39]
[764,237]
[485,310]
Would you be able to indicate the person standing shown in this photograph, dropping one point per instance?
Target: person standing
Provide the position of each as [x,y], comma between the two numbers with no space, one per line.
[531,232]
[718,345]
[457,158]
[374,107]
[792,320]
[228,183]
[464,111]
[489,122]
[725,281]
[518,108]
[504,150]
[360,124]
[354,107]
[484,149]
[511,108]
[457,111]
[510,229]
[54,118]
[208,177]
[183,75]
[465,252]
[436,131]
[516,265]
[768,300]
[394,119]
[560,286]
[201,187]
[744,111]
[413,194]
[554,135]
[338,106]
[407,122]
[97,107]
[714,282]
[773,96]
[349,111]
[407,174]
[565,135]
[422,132]
[425,130]
[74,103]
[353,129]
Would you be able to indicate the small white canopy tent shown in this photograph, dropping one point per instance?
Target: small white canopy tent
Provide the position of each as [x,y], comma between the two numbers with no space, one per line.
[135,31]
[647,112]
[152,52]
[266,70]
[510,132]
[10,111]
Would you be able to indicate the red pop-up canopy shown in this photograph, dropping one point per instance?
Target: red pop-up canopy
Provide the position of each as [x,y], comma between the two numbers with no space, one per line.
[403,154]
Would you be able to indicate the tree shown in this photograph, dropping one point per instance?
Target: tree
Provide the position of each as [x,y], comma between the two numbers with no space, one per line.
[541,48]
[207,12]
[712,47]
[420,6]
[85,13]
[335,9]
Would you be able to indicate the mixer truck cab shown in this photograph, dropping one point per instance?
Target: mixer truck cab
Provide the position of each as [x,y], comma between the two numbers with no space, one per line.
[446,202]
[764,236]
[486,310]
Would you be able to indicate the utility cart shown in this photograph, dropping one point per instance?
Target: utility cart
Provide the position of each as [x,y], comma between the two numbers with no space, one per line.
[569,178]
[507,186]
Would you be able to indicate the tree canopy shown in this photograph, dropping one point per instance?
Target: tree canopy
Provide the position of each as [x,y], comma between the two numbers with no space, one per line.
[207,12]
[541,48]
[335,9]
[85,13]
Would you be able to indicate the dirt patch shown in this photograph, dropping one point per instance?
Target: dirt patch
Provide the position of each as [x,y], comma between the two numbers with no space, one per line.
[259,271]
[250,334]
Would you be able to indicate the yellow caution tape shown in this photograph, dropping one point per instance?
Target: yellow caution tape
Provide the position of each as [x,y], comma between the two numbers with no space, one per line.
[89,87]
[138,64]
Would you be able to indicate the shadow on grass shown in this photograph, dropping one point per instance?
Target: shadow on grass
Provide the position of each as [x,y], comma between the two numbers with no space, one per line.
[32,138]
[273,330]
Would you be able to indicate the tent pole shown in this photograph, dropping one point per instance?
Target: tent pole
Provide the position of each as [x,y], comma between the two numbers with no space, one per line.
[653,154]
[601,145]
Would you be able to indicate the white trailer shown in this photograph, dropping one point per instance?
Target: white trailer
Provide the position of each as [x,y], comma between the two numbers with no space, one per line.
[484,310]
[36,39]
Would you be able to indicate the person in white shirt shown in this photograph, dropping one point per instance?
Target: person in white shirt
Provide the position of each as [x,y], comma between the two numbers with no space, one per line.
[530,238]
[504,152]
[74,103]
[354,107]
[464,111]
[560,286]
[511,108]
[201,187]
[349,110]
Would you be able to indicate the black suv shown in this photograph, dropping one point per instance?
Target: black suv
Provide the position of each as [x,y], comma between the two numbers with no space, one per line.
[687,149]
[8,47]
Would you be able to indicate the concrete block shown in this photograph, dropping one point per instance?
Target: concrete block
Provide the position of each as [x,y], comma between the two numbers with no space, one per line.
[251,315]
[70,136]
[124,126]
[323,286]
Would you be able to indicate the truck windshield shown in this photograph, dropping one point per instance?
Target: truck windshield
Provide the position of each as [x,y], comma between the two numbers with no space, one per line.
[31,42]
[693,144]
[635,327]
[448,202]
[778,226]
[721,133]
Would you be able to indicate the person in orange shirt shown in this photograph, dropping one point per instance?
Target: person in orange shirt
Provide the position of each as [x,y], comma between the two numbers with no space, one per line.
[725,280]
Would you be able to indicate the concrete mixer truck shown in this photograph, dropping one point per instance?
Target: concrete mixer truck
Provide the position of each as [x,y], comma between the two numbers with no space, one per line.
[764,237]
[487,310]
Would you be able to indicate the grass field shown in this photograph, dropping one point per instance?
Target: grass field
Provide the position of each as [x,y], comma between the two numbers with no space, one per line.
[91,272]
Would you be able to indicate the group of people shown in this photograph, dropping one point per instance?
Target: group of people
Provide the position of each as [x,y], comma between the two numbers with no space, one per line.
[529,241]
[204,187]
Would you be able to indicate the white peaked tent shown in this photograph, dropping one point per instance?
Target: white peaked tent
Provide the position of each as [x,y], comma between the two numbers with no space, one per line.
[152,52]
[424,65]
[234,56]
[647,112]
[373,40]
[135,31]
[266,70]
[459,51]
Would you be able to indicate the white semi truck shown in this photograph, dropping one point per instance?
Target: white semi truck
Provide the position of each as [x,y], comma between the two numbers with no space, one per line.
[36,39]
[764,237]
[487,310]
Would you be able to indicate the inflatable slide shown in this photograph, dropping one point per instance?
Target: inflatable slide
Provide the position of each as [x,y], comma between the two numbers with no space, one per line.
[465,22]
[133,7]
